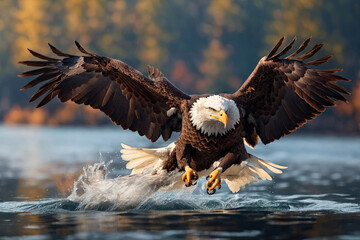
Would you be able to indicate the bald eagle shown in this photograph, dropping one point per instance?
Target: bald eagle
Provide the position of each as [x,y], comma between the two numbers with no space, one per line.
[279,96]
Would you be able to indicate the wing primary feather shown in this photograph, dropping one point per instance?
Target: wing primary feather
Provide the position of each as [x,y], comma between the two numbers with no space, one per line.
[300,49]
[309,99]
[81,49]
[47,98]
[38,55]
[329,71]
[46,87]
[285,50]
[322,98]
[310,53]
[36,72]
[338,88]
[58,52]
[37,63]
[334,77]
[273,51]
[319,61]
[327,91]
[39,79]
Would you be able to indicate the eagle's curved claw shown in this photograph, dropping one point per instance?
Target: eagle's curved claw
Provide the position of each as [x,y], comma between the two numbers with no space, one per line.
[215,181]
[211,192]
[190,177]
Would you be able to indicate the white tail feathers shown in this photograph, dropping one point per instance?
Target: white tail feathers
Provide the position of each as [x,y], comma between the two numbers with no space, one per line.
[141,158]
[251,170]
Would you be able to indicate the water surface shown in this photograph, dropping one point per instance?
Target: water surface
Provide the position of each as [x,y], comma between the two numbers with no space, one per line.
[317,196]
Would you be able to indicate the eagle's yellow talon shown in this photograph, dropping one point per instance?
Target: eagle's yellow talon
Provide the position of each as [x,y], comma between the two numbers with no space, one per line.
[215,181]
[188,176]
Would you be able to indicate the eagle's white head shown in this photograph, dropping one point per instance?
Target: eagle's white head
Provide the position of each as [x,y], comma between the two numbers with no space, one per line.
[214,115]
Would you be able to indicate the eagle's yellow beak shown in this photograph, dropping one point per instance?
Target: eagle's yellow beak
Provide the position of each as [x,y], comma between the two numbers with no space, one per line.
[221,116]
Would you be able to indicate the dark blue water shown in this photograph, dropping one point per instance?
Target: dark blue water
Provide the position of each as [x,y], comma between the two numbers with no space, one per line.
[317,197]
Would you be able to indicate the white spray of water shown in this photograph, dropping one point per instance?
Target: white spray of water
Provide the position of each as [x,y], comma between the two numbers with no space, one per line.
[93,191]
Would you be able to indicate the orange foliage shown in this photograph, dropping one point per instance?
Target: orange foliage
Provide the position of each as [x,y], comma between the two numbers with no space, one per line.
[151,49]
[355,102]
[31,25]
[37,116]
[345,109]
[14,116]
[63,115]
[181,75]
[69,113]
[92,116]
[355,99]
[225,14]
[353,107]
[17,115]
[215,56]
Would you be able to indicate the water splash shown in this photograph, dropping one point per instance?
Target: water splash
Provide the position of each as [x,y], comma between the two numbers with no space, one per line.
[154,191]
[93,191]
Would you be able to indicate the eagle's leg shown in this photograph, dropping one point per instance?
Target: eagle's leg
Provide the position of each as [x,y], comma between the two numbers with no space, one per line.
[234,156]
[215,181]
[189,177]
[183,156]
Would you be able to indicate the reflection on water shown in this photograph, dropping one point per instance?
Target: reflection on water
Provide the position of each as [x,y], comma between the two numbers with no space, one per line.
[232,223]
[318,196]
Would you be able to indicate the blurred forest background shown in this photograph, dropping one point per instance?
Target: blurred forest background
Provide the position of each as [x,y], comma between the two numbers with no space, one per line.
[202,46]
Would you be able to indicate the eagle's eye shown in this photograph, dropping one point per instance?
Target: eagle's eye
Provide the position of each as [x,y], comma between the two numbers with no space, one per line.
[212,109]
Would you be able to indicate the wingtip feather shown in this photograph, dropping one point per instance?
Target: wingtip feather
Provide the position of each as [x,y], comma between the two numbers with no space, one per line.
[274,50]
[81,49]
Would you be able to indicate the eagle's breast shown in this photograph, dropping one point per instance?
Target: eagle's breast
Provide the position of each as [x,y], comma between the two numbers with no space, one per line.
[209,137]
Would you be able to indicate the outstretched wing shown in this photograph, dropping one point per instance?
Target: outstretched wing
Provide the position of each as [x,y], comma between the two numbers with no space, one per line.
[129,98]
[282,94]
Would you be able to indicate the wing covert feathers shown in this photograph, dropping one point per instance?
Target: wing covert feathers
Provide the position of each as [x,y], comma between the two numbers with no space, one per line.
[128,97]
[282,94]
